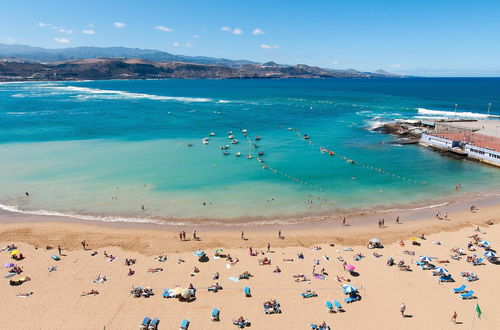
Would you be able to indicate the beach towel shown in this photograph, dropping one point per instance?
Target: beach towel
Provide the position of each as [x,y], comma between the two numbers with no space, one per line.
[234,279]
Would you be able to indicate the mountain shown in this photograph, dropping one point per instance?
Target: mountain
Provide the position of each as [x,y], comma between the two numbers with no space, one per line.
[119,68]
[44,55]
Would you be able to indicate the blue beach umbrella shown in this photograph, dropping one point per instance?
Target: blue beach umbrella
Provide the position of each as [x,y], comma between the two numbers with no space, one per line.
[485,242]
[8,265]
[440,270]
[489,254]
[199,253]
[425,259]
[348,288]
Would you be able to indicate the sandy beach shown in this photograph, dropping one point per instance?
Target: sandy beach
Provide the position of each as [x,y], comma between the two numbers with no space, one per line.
[56,302]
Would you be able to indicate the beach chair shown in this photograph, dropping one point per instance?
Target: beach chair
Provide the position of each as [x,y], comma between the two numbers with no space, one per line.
[352,298]
[154,324]
[478,262]
[468,295]
[247,292]
[330,307]
[145,323]
[215,315]
[461,289]
[472,278]
[309,294]
[446,278]
[338,306]
[184,324]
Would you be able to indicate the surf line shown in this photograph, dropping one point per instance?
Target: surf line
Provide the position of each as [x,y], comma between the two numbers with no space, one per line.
[354,162]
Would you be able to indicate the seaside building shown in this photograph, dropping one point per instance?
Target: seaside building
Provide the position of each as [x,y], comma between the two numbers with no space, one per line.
[465,141]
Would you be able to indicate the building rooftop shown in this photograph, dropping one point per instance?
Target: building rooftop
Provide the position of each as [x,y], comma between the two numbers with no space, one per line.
[480,140]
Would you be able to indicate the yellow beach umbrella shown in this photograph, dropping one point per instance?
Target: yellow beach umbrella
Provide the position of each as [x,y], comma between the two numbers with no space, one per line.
[13,253]
[413,239]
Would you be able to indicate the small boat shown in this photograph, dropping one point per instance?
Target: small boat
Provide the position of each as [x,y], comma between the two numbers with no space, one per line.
[225,152]
[249,156]
[323,149]
[190,145]
[238,154]
[229,132]
[260,160]
[244,131]
[205,141]
[230,137]
[212,134]
[306,137]
[261,153]
[257,138]
[234,141]
[224,147]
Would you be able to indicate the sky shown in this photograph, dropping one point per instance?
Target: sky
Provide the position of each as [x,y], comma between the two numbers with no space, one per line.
[432,38]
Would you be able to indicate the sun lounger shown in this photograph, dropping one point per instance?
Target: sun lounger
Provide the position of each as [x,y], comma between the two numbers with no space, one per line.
[145,323]
[215,315]
[471,278]
[460,289]
[309,294]
[154,324]
[184,324]
[352,298]
[468,295]
[478,262]
[247,292]
[446,278]
[167,293]
[338,306]
[329,305]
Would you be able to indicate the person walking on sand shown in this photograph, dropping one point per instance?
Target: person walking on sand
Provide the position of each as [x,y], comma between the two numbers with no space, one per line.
[242,235]
[84,244]
[59,250]
[268,247]
[194,235]
[397,219]
[279,233]
[343,222]
[402,309]
[454,317]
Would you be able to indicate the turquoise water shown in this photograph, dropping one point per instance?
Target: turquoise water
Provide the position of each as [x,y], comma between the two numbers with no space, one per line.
[102,149]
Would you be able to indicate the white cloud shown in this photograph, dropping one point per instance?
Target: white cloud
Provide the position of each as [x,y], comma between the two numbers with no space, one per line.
[88,31]
[257,31]
[175,44]
[188,45]
[119,25]
[42,24]
[264,46]
[396,65]
[61,40]
[236,31]
[63,30]
[163,28]
[10,39]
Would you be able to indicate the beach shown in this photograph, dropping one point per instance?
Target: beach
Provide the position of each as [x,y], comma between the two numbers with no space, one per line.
[56,301]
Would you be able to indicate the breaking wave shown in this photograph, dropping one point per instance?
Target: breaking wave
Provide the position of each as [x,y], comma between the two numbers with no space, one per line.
[423,111]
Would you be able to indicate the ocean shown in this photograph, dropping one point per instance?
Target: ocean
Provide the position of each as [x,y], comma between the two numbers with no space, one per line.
[100,150]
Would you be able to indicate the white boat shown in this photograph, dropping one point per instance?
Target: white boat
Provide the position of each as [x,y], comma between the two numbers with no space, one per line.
[230,137]
[212,134]
[234,141]
[225,153]
[204,142]
[249,156]
[244,131]
[238,154]
[229,132]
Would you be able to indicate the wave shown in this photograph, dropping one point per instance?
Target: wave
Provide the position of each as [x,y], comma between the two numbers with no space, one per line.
[107,93]
[374,124]
[423,111]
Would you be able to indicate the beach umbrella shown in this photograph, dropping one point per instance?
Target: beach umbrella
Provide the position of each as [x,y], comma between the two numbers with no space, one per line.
[348,288]
[485,242]
[199,253]
[8,265]
[425,259]
[219,251]
[13,253]
[489,254]
[413,239]
[374,240]
[349,267]
[177,291]
[186,293]
[440,270]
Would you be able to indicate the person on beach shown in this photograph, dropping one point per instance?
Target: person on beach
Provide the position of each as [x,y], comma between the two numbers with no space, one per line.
[180,235]
[279,234]
[402,309]
[397,219]
[242,235]
[84,245]
[268,247]
[194,235]
[454,317]
[27,194]
[59,250]
[142,207]
[343,222]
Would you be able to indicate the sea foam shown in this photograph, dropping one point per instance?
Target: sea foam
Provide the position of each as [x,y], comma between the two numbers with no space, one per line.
[423,111]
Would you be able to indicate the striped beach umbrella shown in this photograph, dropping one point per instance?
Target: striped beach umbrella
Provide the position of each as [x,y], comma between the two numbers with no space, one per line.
[485,243]
[489,254]
[440,270]
[348,288]
[425,259]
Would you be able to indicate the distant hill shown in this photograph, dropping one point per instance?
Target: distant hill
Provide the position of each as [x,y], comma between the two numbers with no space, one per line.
[19,62]
[44,55]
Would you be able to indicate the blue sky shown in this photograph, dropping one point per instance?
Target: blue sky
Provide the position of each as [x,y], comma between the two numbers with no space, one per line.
[440,37]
